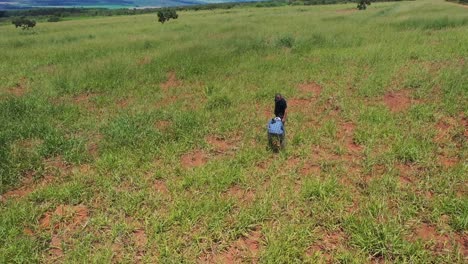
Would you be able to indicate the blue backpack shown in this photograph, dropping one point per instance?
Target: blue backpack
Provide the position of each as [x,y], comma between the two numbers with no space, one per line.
[275,126]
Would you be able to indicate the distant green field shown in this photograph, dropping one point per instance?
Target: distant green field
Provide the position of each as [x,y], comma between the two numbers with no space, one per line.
[124,140]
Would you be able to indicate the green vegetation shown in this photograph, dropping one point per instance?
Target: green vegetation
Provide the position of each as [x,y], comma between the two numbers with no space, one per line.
[24,23]
[122,139]
[166,14]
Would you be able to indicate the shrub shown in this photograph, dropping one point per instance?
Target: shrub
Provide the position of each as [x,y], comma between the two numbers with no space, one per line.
[166,14]
[24,23]
[362,4]
[286,41]
[53,19]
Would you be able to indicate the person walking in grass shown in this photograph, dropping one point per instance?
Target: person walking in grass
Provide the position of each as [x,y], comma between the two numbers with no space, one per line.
[276,134]
[280,107]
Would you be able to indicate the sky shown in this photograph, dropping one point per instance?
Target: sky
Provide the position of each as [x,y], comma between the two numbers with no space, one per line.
[14,4]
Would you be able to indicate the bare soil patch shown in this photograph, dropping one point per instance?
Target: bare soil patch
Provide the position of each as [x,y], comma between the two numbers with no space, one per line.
[311,88]
[123,103]
[63,222]
[20,88]
[27,186]
[405,172]
[448,162]
[194,159]
[299,105]
[310,169]
[140,240]
[162,125]
[329,242]
[220,144]
[160,187]
[443,128]
[85,100]
[321,153]
[171,81]
[398,101]
[347,133]
[243,195]
[244,250]
[440,242]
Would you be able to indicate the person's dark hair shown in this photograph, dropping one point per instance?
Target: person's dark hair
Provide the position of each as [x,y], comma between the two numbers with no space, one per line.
[277,97]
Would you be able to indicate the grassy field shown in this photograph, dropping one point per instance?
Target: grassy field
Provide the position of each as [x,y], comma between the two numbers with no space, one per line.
[124,140]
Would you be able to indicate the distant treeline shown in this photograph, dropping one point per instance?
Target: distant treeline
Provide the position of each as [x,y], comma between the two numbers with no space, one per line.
[465,2]
[80,12]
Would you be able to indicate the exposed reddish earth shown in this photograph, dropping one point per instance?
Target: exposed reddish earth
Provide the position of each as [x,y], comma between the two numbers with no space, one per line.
[243,195]
[398,101]
[162,125]
[194,159]
[243,250]
[20,88]
[448,161]
[220,144]
[123,103]
[328,243]
[320,153]
[160,187]
[347,133]
[140,240]
[27,186]
[93,144]
[440,242]
[85,100]
[63,222]
[312,87]
[310,169]
[171,81]
[405,172]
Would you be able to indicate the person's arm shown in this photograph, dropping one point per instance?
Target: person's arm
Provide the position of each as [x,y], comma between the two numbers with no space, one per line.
[285,114]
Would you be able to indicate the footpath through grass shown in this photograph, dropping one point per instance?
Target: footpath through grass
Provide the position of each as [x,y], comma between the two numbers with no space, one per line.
[124,140]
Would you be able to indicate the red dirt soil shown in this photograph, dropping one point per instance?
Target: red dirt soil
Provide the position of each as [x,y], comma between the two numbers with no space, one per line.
[441,242]
[160,186]
[84,100]
[243,250]
[311,87]
[329,242]
[20,88]
[63,222]
[398,101]
[405,173]
[448,161]
[123,103]
[347,132]
[139,238]
[220,144]
[243,195]
[310,169]
[171,81]
[27,186]
[162,125]
[194,159]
